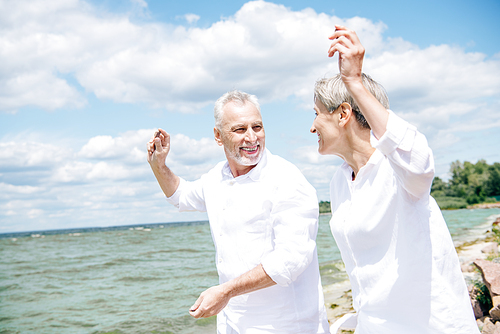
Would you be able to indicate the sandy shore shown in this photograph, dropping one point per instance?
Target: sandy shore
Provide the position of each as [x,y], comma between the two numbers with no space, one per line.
[338,298]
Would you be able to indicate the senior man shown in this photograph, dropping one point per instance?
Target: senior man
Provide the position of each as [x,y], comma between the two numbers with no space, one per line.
[263,217]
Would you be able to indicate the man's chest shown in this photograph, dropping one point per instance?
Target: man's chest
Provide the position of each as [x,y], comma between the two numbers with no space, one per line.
[240,207]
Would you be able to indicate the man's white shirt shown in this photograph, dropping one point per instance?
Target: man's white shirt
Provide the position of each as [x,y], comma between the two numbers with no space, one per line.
[268,216]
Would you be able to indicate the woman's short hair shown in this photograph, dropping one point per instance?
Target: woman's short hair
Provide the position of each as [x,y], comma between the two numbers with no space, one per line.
[239,97]
[332,92]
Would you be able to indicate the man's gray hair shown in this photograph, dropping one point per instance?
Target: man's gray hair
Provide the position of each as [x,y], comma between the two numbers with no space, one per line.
[332,92]
[236,96]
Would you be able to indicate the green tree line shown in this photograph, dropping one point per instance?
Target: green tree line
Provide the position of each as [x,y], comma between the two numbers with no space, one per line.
[469,184]
[324,207]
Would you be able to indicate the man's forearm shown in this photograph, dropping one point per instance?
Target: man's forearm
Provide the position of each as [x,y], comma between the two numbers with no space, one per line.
[252,280]
[168,181]
[214,299]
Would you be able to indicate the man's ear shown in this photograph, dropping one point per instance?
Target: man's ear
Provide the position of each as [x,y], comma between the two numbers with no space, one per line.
[345,113]
[217,136]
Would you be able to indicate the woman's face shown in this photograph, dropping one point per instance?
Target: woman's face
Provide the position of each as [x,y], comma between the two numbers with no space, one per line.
[326,126]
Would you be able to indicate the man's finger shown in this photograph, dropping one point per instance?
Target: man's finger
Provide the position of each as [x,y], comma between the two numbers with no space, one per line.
[156,135]
[157,144]
[195,306]
[151,146]
[196,314]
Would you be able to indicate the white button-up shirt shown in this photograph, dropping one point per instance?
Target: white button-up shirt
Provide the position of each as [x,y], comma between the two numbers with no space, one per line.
[395,244]
[268,216]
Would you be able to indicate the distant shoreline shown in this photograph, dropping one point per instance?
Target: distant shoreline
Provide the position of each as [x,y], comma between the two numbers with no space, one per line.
[485,206]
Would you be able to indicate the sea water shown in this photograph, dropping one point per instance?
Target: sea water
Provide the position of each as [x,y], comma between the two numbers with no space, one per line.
[140,279]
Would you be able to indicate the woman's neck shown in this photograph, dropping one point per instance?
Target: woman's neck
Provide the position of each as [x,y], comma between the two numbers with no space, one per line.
[359,152]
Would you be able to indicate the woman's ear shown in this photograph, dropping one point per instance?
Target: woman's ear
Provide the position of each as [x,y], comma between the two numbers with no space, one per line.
[345,113]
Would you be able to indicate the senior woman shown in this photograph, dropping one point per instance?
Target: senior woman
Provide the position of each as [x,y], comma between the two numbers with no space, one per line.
[397,250]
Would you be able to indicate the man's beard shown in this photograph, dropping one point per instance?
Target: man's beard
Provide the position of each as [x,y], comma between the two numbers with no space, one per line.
[246,161]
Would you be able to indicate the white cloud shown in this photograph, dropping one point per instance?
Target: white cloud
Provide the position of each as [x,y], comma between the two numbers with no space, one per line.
[129,147]
[26,89]
[31,154]
[165,66]
[443,139]
[438,75]
[190,151]
[12,190]
[264,48]
[191,18]
[106,182]
[310,155]
[140,3]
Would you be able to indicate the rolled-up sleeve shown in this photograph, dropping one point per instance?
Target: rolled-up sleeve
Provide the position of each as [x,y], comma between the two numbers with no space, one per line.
[295,226]
[175,198]
[409,155]
[188,196]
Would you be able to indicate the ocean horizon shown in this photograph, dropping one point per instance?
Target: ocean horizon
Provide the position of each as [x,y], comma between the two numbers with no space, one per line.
[92,229]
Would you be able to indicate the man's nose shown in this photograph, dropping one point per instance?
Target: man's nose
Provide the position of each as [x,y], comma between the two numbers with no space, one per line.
[251,136]
[313,129]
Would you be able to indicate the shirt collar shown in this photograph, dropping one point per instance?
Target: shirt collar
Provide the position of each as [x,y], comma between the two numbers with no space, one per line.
[254,174]
[374,159]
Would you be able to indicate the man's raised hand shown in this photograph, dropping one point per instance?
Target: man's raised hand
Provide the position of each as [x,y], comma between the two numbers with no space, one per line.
[158,146]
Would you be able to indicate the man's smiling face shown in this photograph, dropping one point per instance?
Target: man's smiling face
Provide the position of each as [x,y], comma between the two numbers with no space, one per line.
[242,135]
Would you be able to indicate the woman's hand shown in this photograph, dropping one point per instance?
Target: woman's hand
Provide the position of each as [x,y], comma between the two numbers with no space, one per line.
[350,51]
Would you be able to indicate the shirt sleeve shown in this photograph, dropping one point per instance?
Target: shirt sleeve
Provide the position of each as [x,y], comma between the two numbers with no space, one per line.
[188,196]
[295,225]
[409,155]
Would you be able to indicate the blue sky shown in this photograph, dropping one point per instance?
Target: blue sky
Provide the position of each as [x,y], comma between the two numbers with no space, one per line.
[83,84]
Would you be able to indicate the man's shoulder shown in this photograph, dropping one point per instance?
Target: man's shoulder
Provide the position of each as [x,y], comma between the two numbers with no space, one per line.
[283,171]
[276,161]
[215,172]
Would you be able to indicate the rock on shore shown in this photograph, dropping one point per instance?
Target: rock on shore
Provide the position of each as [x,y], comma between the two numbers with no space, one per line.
[485,298]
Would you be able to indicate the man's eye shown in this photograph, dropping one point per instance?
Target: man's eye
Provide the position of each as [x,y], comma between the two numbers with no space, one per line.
[257,128]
